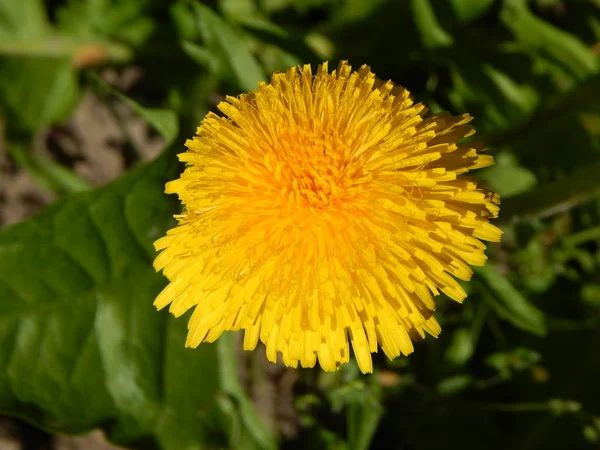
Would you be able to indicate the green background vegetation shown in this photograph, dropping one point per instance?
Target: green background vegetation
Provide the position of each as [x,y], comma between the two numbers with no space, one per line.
[517,366]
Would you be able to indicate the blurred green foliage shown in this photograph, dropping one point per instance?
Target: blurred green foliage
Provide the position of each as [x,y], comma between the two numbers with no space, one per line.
[515,367]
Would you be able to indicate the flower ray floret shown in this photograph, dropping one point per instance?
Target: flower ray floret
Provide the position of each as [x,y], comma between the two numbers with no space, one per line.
[323,212]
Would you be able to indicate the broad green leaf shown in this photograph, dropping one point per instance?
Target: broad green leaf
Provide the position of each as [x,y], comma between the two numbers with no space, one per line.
[224,42]
[36,92]
[23,20]
[509,303]
[82,346]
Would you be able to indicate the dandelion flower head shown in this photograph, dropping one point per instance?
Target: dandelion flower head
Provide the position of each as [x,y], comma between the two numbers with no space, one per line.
[322,212]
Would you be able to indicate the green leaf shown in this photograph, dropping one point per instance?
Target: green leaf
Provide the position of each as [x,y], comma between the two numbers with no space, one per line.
[234,10]
[123,21]
[590,293]
[433,34]
[23,20]
[224,42]
[518,359]
[36,92]
[301,6]
[507,177]
[363,416]
[534,262]
[162,120]
[231,384]
[85,27]
[184,22]
[543,39]
[202,56]
[455,384]
[522,98]
[46,172]
[487,92]
[280,37]
[585,97]
[352,11]
[81,345]
[509,303]
[467,10]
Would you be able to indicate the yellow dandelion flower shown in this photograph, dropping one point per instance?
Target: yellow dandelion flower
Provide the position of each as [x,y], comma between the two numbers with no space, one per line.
[323,211]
